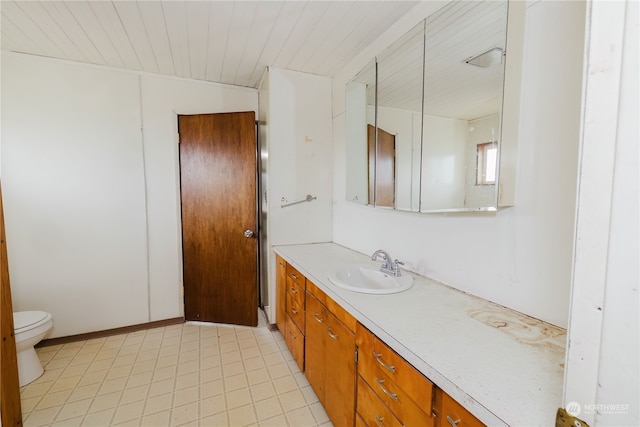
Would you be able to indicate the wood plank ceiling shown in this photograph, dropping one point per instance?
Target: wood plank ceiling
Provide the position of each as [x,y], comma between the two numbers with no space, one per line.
[219,41]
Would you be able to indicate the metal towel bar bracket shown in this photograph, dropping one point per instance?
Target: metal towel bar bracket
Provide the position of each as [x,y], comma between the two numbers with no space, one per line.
[306,199]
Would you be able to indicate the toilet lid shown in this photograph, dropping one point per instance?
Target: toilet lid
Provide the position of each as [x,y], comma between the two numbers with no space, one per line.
[24,319]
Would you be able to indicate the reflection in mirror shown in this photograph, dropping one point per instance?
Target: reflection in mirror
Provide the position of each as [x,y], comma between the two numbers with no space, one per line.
[464,74]
[430,108]
[359,115]
[399,121]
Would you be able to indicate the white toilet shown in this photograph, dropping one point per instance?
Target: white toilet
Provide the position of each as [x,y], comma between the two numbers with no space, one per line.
[30,328]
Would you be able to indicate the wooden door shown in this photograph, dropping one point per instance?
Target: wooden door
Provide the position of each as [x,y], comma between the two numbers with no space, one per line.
[218,195]
[382,167]
[10,404]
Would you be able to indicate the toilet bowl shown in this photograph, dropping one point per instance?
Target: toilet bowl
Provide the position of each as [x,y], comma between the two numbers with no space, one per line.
[30,328]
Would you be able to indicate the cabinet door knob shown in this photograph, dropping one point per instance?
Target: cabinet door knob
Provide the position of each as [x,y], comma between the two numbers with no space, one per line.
[453,423]
[249,234]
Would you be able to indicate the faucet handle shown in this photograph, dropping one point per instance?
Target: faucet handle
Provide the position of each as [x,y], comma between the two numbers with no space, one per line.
[395,268]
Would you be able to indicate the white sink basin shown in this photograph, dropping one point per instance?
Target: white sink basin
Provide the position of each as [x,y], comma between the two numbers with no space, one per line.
[369,279]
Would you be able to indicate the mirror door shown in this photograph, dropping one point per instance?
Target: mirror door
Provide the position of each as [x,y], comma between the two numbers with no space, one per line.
[463,82]
[438,91]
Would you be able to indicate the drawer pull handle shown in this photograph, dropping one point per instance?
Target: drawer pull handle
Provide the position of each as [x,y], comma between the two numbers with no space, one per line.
[294,276]
[292,335]
[379,421]
[453,423]
[318,319]
[281,264]
[293,310]
[331,334]
[389,368]
[385,391]
[293,290]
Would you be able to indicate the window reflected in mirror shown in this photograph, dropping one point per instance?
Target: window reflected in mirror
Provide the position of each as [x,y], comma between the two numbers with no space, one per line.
[486,163]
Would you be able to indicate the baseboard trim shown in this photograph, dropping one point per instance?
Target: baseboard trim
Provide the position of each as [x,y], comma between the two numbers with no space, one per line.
[110,332]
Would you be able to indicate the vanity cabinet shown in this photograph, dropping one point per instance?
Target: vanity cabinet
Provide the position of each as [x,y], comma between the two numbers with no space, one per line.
[330,360]
[359,379]
[294,333]
[390,390]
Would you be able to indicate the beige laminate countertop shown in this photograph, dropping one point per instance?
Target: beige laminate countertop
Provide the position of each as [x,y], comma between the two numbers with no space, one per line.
[504,367]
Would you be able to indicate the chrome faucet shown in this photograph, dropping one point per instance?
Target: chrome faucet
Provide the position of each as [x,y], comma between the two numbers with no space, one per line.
[388,266]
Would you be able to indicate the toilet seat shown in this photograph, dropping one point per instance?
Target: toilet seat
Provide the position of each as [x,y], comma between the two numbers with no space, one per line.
[26,320]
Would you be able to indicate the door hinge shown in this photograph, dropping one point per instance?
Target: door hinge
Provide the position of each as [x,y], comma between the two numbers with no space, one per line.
[177,138]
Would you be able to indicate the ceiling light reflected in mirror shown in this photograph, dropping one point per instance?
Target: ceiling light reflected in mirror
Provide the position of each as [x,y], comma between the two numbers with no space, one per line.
[487,59]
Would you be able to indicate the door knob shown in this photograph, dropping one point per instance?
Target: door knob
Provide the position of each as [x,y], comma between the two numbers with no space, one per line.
[249,234]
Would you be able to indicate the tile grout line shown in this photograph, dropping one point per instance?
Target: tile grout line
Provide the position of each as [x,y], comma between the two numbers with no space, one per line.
[187,358]
[155,365]
[118,406]
[55,419]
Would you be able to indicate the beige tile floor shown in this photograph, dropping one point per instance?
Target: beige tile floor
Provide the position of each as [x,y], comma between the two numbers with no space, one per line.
[190,374]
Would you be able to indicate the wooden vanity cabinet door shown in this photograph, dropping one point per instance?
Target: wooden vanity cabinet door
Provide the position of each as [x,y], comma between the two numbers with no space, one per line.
[281,292]
[314,345]
[340,374]
[330,365]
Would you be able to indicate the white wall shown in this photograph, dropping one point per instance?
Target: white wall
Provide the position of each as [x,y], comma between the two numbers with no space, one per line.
[519,257]
[299,157]
[91,202]
[299,161]
[162,100]
[73,188]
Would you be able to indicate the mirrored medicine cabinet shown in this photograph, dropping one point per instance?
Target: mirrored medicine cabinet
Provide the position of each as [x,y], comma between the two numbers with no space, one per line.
[426,119]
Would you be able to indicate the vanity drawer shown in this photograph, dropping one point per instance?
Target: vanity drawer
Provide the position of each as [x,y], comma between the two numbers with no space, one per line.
[296,292]
[335,308]
[295,342]
[296,276]
[410,413]
[371,409]
[377,360]
[295,306]
[451,413]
